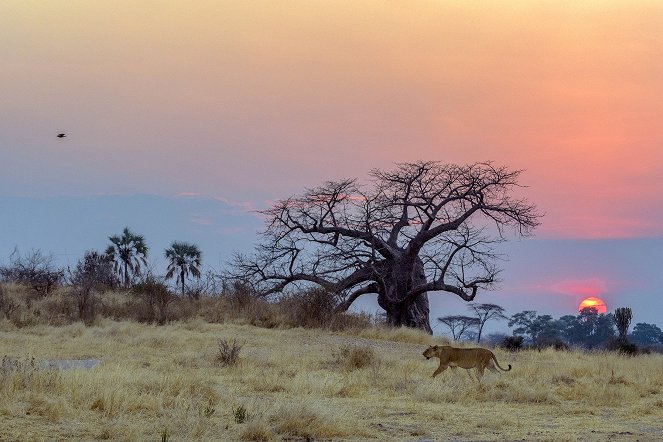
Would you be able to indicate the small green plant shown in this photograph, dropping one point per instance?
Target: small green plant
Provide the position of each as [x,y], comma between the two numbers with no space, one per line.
[165,436]
[240,414]
[228,352]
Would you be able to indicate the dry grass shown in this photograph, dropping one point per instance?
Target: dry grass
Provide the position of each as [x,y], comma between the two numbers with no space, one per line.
[303,384]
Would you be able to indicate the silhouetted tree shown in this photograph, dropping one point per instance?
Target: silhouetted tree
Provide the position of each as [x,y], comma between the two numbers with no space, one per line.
[184,258]
[94,272]
[589,329]
[459,325]
[129,253]
[541,330]
[622,317]
[423,227]
[646,334]
[545,331]
[523,323]
[485,313]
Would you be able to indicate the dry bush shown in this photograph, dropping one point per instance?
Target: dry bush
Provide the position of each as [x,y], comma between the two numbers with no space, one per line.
[246,306]
[7,304]
[228,354]
[156,299]
[313,308]
[346,321]
[257,430]
[353,357]
[60,308]
[33,269]
[398,334]
[302,421]
[214,309]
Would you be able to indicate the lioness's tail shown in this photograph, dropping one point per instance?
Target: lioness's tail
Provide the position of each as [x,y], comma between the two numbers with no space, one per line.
[498,364]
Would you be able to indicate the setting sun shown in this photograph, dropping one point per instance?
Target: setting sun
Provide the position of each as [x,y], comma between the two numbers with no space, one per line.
[595,302]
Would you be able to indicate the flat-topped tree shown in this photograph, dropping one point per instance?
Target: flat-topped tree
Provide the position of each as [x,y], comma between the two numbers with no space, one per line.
[422,227]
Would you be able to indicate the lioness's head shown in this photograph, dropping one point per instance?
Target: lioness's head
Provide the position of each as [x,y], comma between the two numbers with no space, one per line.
[430,351]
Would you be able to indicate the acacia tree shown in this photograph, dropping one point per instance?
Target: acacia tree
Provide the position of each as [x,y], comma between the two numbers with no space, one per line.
[458,324]
[422,227]
[184,258]
[128,253]
[484,313]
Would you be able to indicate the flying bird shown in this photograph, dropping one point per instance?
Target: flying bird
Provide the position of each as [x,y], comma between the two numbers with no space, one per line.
[61,135]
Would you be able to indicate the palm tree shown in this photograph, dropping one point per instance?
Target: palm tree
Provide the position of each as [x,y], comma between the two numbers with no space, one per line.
[184,257]
[128,252]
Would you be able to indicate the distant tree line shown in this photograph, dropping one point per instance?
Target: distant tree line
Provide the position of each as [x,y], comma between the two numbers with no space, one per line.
[589,329]
[123,265]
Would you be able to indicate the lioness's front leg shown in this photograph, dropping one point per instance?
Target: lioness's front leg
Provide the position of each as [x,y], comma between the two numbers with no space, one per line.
[440,369]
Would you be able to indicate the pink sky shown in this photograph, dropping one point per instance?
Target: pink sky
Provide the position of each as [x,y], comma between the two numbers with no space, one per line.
[252,101]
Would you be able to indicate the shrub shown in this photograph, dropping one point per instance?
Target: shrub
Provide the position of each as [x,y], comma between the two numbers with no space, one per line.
[353,357]
[548,342]
[36,270]
[512,343]
[257,430]
[228,353]
[156,297]
[7,305]
[313,308]
[623,346]
[240,414]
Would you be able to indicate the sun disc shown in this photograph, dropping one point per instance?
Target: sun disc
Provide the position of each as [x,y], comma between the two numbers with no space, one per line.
[595,302]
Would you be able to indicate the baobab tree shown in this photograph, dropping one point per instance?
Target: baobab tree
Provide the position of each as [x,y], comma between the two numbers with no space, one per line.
[422,227]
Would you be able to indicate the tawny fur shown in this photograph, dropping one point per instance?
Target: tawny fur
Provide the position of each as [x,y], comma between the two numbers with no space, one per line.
[468,358]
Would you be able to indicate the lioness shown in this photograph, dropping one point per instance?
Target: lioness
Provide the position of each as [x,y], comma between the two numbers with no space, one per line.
[468,358]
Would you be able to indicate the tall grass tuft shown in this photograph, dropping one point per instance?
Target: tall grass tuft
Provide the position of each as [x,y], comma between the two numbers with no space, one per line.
[354,357]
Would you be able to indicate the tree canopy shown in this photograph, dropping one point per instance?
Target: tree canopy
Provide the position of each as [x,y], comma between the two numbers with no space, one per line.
[422,227]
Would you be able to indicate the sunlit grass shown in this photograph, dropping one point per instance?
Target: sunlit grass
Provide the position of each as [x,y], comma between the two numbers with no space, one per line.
[309,384]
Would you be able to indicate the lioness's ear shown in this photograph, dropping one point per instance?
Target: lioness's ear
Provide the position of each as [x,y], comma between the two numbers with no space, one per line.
[435,347]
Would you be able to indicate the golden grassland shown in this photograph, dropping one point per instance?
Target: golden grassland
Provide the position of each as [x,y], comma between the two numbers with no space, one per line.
[165,383]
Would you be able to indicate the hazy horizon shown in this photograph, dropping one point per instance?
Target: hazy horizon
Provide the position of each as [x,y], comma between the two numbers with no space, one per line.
[540,274]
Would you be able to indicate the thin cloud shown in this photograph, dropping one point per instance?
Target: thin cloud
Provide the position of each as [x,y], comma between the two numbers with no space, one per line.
[201,220]
[584,287]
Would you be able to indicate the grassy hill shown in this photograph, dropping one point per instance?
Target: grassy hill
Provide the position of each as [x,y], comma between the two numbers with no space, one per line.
[169,383]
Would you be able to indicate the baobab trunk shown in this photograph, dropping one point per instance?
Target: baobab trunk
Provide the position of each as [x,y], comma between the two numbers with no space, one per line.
[400,276]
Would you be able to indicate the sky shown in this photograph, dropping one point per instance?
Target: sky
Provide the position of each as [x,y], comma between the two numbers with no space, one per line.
[236,104]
